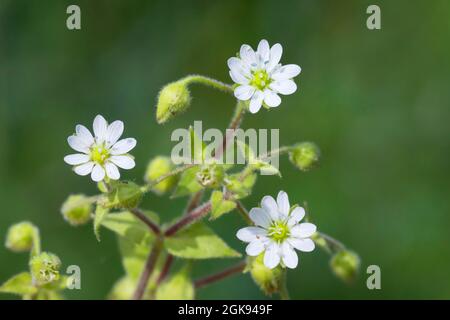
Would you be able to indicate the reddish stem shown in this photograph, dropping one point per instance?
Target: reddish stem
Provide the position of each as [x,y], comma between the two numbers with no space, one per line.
[220,275]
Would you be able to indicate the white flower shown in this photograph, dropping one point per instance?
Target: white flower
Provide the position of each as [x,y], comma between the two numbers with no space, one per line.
[261,77]
[278,232]
[102,153]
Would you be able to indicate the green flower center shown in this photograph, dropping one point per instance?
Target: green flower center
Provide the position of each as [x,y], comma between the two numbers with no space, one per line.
[261,79]
[99,154]
[278,231]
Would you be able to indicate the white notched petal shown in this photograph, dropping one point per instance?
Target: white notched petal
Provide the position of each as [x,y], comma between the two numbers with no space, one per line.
[238,77]
[263,50]
[98,173]
[100,128]
[271,98]
[247,55]
[76,159]
[289,256]
[303,230]
[244,92]
[77,144]
[84,134]
[283,203]
[284,86]
[305,245]
[256,101]
[272,256]
[254,248]
[237,66]
[269,205]
[275,55]
[296,216]
[286,72]
[124,162]
[123,146]
[249,234]
[115,130]
[111,171]
[260,217]
[84,169]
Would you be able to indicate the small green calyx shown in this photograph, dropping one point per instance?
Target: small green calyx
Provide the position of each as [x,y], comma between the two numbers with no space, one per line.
[278,231]
[304,155]
[345,265]
[173,100]
[20,236]
[261,80]
[211,175]
[44,268]
[269,280]
[99,154]
[77,209]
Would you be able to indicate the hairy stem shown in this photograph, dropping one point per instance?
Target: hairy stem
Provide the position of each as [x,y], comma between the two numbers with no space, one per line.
[190,217]
[165,270]
[210,82]
[243,212]
[194,201]
[332,245]
[279,151]
[174,172]
[148,269]
[220,275]
[138,213]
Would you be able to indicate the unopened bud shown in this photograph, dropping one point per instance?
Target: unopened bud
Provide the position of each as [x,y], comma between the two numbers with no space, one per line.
[345,265]
[305,155]
[269,280]
[158,167]
[20,236]
[44,268]
[173,100]
[210,175]
[77,209]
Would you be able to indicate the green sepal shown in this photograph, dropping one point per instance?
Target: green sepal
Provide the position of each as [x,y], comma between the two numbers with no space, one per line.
[219,205]
[188,183]
[20,284]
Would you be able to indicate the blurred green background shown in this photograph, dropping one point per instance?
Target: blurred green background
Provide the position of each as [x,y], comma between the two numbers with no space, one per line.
[376,102]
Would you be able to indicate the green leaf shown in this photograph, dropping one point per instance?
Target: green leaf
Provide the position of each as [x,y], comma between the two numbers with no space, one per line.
[198,242]
[100,214]
[266,168]
[124,194]
[219,205]
[122,222]
[177,287]
[20,284]
[188,183]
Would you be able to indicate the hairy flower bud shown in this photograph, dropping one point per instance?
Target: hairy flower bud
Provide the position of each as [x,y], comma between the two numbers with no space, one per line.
[77,209]
[173,99]
[305,155]
[269,280]
[210,175]
[44,268]
[345,265]
[20,236]
[158,167]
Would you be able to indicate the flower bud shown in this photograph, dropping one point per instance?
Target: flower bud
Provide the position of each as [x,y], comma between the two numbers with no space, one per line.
[158,167]
[20,236]
[210,175]
[345,265]
[124,195]
[173,99]
[44,268]
[305,155]
[77,209]
[269,280]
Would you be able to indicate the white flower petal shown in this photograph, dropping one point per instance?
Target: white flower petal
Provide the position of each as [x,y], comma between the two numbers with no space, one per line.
[305,245]
[271,98]
[123,146]
[296,216]
[111,171]
[238,77]
[275,55]
[260,217]
[84,134]
[248,56]
[254,248]
[249,234]
[269,205]
[100,128]
[284,86]
[77,144]
[289,256]
[98,173]
[286,72]
[263,50]
[272,256]
[124,162]
[84,169]
[244,92]
[283,203]
[256,101]
[114,132]
[76,159]
[303,230]
[237,66]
